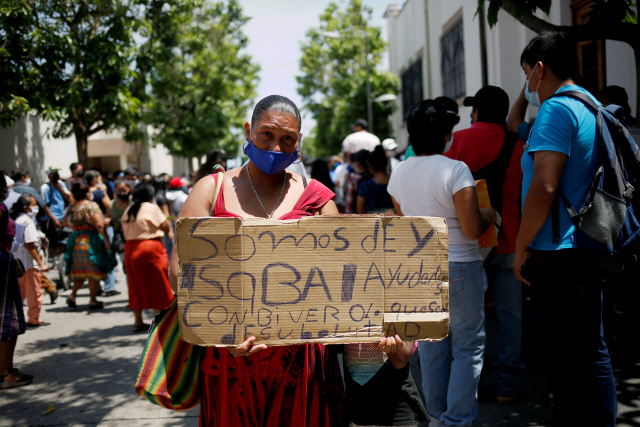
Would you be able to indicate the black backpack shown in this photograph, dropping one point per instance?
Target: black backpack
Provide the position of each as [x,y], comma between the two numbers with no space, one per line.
[606,224]
[496,171]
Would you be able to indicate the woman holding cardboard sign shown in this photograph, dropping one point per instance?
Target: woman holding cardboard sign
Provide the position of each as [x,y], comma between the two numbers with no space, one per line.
[430,184]
[269,386]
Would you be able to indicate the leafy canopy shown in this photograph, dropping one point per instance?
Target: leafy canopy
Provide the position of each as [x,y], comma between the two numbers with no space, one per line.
[612,10]
[92,65]
[333,80]
[201,93]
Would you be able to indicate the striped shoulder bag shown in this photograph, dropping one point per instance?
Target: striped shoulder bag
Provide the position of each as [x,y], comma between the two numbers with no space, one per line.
[169,369]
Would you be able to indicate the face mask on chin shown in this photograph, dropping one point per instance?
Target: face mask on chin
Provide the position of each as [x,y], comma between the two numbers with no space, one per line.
[532,97]
[269,162]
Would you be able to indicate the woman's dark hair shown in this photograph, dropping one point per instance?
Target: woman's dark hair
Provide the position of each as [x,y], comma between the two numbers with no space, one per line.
[18,174]
[427,126]
[89,176]
[362,157]
[554,50]
[320,172]
[142,192]
[452,111]
[80,191]
[378,159]
[159,186]
[122,181]
[132,170]
[3,181]
[277,103]
[18,207]
[214,156]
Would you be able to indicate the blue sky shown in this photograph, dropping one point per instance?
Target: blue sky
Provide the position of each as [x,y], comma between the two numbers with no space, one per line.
[275,31]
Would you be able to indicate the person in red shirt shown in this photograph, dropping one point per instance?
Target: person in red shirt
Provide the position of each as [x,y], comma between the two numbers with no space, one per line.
[494,154]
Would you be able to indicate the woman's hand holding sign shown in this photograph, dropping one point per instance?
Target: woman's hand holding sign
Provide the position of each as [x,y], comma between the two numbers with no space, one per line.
[247,348]
[399,352]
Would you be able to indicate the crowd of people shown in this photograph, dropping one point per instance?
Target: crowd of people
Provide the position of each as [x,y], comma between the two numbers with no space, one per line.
[82,226]
[128,216]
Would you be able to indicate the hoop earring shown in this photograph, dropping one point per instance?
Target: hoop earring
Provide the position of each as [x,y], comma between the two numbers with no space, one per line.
[300,157]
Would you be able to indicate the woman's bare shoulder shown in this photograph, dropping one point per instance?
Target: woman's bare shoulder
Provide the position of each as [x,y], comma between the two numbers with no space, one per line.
[199,200]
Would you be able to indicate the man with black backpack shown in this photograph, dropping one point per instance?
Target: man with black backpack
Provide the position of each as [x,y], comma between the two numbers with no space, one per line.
[559,164]
[494,154]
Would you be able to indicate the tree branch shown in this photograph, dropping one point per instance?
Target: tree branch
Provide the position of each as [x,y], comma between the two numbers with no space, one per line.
[622,31]
[97,129]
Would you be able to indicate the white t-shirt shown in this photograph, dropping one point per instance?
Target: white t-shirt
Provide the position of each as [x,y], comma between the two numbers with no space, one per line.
[31,235]
[424,186]
[357,141]
[177,199]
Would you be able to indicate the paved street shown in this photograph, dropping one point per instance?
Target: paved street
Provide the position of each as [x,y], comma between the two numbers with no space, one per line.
[85,365]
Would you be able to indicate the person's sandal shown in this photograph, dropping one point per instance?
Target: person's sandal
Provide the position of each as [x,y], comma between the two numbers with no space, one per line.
[71,304]
[141,328]
[23,380]
[96,306]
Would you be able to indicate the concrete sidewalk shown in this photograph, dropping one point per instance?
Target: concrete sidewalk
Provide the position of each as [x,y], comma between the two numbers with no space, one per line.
[85,365]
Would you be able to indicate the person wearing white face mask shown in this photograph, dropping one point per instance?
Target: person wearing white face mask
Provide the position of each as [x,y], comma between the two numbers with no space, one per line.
[22,185]
[27,238]
[566,288]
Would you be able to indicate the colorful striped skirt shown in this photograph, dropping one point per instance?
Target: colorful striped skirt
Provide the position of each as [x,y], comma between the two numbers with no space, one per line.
[11,312]
[82,267]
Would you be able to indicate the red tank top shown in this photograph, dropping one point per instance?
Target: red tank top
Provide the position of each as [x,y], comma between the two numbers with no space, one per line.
[298,385]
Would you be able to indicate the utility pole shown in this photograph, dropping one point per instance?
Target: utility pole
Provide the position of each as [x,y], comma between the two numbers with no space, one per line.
[366,62]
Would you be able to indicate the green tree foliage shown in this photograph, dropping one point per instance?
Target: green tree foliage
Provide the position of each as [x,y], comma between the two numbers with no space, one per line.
[610,19]
[333,80]
[92,65]
[201,93]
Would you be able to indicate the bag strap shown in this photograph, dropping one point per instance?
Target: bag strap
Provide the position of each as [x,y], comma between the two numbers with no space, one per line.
[555,215]
[555,207]
[219,180]
[496,172]
[580,96]
[304,181]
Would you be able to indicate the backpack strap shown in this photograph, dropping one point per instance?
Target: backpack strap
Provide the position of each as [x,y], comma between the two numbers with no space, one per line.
[304,181]
[219,180]
[496,171]
[555,207]
[580,96]
[555,215]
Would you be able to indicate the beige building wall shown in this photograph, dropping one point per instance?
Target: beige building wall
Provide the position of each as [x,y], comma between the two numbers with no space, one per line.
[29,144]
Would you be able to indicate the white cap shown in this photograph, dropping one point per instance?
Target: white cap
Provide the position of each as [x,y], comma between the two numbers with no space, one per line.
[389,144]
[10,182]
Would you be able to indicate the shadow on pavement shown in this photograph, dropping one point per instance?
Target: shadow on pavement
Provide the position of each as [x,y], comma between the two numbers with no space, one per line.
[89,377]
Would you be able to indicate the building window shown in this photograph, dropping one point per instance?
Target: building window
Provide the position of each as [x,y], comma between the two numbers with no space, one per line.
[412,86]
[452,62]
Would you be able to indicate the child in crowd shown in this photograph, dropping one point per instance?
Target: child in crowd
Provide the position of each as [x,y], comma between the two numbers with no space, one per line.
[380,389]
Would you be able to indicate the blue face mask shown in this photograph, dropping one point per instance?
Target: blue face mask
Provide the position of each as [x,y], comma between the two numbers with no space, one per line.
[532,97]
[269,162]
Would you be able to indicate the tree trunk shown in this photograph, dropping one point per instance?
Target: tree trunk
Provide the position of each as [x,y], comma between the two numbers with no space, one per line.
[82,143]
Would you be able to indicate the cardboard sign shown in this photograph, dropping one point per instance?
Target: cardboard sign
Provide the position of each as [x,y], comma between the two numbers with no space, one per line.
[329,279]
[490,238]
